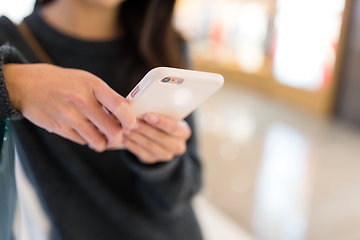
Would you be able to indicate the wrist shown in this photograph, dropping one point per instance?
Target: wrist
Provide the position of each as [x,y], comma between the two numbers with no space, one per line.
[9,54]
[9,72]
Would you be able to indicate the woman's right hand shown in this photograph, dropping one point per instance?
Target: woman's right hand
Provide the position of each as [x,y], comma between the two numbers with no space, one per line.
[70,103]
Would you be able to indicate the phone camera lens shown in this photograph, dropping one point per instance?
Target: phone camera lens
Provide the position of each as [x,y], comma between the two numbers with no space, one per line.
[166,79]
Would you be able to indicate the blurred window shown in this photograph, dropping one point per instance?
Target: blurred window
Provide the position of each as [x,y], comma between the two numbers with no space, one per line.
[307,33]
[16,10]
[293,40]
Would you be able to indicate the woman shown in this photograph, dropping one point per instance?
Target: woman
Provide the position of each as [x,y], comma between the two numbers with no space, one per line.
[65,138]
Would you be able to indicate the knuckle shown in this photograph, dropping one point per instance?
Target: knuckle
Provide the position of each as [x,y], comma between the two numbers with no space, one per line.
[55,127]
[81,142]
[99,144]
[100,149]
[119,106]
[168,157]
[123,110]
[153,160]
[116,139]
[180,149]
[71,118]
[147,159]
[85,76]
[132,122]
[188,133]
[49,130]
[77,99]
[76,123]
[185,128]
[116,133]
[174,128]
[150,144]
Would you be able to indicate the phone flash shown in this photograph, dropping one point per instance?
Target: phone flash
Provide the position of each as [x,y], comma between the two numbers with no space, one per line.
[179,80]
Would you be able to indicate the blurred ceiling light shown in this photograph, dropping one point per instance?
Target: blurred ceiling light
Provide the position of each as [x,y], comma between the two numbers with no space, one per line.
[16,10]
[305,41]
[281,198]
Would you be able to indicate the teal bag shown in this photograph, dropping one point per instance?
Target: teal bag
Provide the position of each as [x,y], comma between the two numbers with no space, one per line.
[7,180]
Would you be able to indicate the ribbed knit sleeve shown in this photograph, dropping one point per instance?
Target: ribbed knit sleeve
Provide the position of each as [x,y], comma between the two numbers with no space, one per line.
[8,54]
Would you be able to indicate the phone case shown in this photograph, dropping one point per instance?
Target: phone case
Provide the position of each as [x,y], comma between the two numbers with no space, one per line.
[173,92]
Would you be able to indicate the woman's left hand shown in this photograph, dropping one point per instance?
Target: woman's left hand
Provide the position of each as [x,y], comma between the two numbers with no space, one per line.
[157,138]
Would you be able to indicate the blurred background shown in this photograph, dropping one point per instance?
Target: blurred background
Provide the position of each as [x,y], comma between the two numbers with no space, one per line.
[280,142]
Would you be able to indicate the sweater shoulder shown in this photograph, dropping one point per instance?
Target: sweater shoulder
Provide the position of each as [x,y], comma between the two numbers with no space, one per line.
[7,29]
[9,34]
[4,21]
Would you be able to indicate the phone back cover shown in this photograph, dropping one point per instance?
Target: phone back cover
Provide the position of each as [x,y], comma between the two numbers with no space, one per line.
[172,99]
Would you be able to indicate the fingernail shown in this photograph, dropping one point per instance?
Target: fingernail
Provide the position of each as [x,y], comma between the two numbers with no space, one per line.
[151,119]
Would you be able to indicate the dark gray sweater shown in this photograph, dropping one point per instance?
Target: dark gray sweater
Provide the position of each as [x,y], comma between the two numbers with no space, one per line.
[89,195]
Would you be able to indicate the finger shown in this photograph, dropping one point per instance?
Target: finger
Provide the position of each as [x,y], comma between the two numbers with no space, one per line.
[83,126]
[105,122]
[60,129]
[169,125]
[143,155]
[151,146]
[93,137]
[115,103]
[72,135]
[173,144]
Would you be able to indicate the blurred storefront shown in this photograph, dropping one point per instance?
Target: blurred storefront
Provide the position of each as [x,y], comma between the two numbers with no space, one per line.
[271,164]
[289,49]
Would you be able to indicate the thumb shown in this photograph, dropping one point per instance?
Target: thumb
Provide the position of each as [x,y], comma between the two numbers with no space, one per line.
[115,103]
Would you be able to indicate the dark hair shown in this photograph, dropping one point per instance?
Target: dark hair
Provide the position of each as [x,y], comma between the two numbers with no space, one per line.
[149,35]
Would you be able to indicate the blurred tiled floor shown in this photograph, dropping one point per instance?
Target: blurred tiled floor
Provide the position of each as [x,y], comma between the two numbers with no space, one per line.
[215,224]
[277,171]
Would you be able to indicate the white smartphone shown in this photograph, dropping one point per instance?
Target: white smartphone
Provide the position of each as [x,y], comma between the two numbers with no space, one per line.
[173,92]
